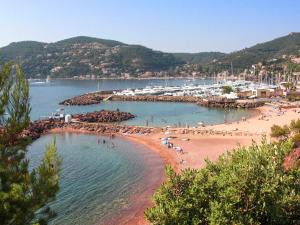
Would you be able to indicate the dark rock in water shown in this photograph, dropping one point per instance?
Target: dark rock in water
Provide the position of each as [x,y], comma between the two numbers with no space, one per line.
[87,99]
[103,116]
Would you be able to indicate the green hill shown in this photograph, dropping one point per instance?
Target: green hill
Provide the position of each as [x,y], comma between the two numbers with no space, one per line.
[86,55]
[108,58]
[242,59]
[201,58]
[86,40]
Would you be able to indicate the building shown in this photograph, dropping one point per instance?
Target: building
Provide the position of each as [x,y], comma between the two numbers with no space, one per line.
[263,93]
[245,93]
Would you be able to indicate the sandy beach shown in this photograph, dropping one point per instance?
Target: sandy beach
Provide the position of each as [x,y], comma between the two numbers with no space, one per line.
[197,146]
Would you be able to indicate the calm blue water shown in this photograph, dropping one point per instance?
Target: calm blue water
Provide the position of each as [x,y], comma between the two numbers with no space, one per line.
[96,179]
[45,99]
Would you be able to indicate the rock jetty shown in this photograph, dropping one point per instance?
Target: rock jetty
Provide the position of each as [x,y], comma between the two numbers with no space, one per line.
[96,98]
[89,121]
[229,103]
[40,127]
[103,116]
[86,99]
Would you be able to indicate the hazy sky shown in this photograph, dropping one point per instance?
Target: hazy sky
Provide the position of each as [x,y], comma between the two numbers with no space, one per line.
[167,25]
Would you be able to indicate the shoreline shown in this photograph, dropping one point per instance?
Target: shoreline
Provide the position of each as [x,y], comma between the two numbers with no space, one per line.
[139,78]
[139,202]
[196,148]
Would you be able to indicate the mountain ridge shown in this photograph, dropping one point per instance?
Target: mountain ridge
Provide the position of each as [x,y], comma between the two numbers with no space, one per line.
[89,55]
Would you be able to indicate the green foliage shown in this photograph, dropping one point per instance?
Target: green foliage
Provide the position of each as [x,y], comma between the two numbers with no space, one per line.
[295,125]
[201,58]
[22,192]
[78,56]
[227,89]
[293,67]
[280,132]
[144,58]
[292,131]
[264,51]
[85,40]
[246,186]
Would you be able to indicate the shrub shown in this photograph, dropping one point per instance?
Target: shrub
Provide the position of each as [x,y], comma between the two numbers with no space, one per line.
[245,186]
[227,89]
[280,132]
[295,125]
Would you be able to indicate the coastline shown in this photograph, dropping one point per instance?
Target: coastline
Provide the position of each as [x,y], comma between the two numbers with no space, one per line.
[138,78]
[196,148]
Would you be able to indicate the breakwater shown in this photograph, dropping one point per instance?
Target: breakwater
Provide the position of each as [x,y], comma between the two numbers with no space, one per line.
[103,116]
[40,127]
[99,121]
[98,97]
[228,103]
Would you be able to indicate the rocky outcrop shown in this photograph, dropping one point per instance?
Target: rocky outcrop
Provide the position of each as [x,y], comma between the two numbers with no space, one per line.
[103,116]
[86,99]
[97,122]
[39,127]
[229,103]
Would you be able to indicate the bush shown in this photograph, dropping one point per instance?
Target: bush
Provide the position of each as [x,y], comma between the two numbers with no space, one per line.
[295,125]
[292,131]
[245,186]
[280,132]
[227,89]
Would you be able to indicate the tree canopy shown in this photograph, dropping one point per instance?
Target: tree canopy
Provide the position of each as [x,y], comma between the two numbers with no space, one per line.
[22,192]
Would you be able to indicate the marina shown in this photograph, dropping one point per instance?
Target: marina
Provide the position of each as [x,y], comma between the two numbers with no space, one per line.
[203,91]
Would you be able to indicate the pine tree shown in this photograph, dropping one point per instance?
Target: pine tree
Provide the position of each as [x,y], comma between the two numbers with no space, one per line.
[23,193]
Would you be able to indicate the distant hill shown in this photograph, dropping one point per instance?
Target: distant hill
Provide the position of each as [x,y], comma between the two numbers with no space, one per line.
[286,45]
[201,58]
[86,55]
[108,58]
[86,40]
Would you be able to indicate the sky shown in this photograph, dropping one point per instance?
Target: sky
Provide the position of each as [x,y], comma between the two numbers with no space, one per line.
[166,25]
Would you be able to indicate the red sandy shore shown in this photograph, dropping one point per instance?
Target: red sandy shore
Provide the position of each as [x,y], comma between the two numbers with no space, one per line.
[196,148]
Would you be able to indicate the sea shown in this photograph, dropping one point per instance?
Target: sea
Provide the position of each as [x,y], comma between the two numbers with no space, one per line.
[99,177]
